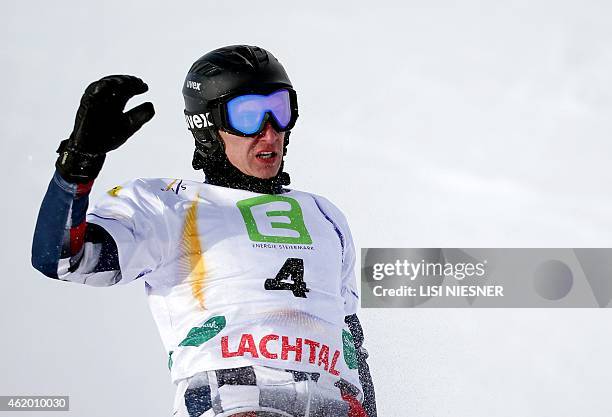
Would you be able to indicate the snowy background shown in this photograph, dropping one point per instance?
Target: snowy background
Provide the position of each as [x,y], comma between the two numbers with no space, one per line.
[431,124]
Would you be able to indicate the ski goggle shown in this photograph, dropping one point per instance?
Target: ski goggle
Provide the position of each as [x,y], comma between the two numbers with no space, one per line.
[247,114]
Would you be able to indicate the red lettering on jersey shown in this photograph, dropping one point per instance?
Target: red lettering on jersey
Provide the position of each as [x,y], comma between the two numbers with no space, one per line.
[332,369]
[313,349]
[225,349]
[297,348]
[247,344]
[264,349]
[324,356]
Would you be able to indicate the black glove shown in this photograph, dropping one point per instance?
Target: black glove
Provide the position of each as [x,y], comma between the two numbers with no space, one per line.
[101,126]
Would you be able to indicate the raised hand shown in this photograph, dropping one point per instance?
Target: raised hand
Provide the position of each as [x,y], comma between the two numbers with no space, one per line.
[101,126]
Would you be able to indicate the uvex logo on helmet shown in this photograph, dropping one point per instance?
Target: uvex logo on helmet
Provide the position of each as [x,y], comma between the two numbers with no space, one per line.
[198,121]
[194,85]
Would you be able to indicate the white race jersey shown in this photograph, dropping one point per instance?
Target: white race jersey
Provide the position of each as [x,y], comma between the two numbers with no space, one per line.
[236,278]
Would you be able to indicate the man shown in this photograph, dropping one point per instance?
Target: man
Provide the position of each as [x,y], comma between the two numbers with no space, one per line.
[251,284]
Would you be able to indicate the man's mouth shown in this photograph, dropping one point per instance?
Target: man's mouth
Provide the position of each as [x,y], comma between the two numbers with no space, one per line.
[266,155]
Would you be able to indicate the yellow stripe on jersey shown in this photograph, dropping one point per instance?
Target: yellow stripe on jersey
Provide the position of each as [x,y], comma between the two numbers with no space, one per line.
[170,185]
[114,191]
[192,250]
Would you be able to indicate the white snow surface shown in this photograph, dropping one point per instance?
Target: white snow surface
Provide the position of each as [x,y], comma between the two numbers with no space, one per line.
[431,124]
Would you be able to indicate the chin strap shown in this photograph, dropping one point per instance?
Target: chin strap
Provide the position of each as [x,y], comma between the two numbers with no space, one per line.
[210,157]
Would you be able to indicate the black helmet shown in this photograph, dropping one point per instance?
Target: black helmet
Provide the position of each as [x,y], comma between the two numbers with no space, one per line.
[212,80]
[231,70]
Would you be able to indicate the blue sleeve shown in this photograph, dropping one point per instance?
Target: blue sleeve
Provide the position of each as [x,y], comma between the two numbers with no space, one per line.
[62,232]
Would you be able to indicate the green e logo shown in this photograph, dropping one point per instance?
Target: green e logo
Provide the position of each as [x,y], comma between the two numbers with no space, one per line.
[254,212]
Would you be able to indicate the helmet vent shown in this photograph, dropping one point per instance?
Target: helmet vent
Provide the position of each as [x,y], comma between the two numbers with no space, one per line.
[246,57]
[205,68]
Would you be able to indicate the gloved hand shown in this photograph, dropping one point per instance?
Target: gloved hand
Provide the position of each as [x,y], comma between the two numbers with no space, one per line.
[101,126]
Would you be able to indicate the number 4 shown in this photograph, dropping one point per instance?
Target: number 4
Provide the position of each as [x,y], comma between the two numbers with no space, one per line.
[292,268]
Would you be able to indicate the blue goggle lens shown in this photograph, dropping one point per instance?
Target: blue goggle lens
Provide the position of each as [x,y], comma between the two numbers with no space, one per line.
[246,113]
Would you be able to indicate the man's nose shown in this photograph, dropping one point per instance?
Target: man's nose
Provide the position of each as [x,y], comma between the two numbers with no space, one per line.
[269,134]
